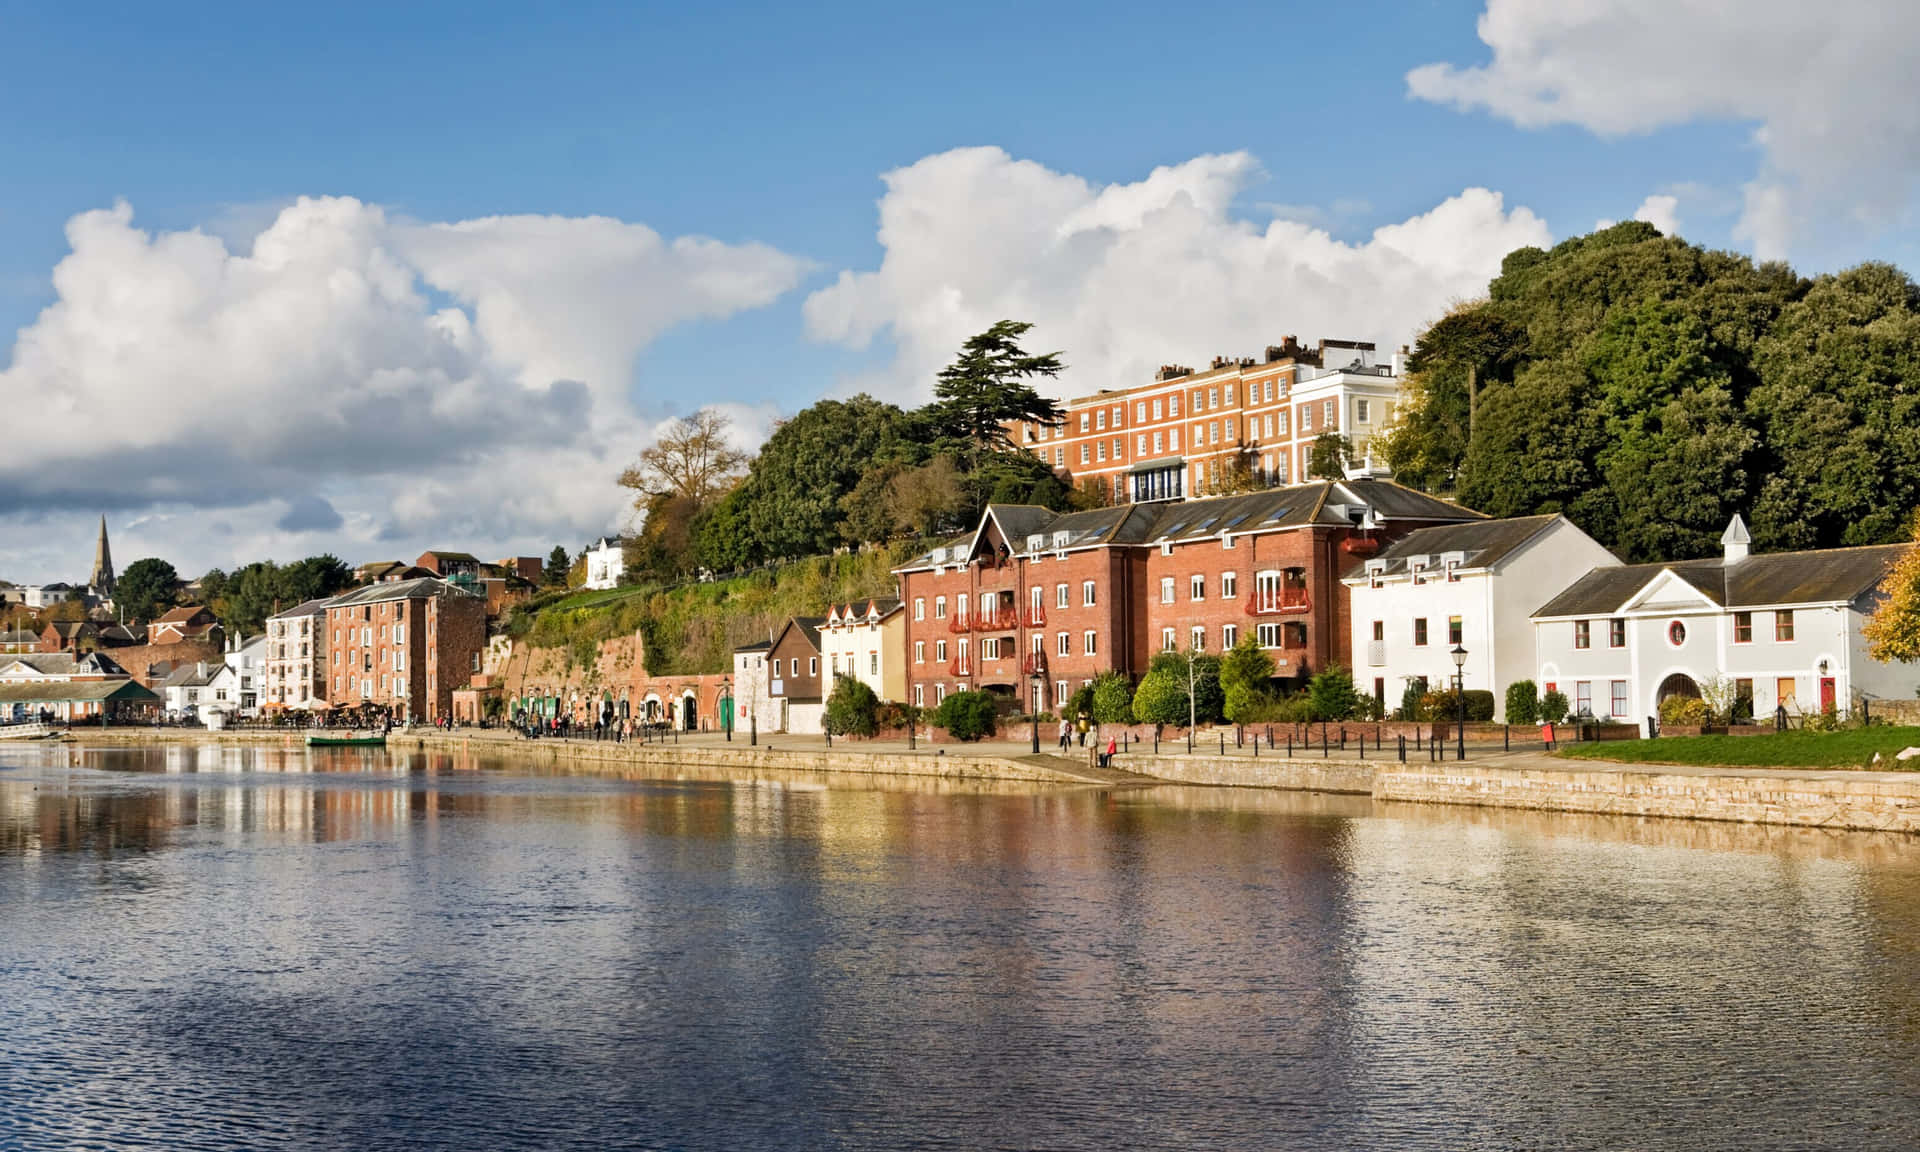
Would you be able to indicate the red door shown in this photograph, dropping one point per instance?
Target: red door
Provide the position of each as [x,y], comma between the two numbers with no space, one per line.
[1826,694]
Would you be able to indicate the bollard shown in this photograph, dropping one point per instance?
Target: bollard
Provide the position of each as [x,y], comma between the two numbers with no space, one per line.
[1506,738]
[1289,743]
[1343,737]
[1223,743]
[1323,742]
[1256,745]
[1403,749]
[1156,741]
[1416,739]
[828,733]
[1189,741]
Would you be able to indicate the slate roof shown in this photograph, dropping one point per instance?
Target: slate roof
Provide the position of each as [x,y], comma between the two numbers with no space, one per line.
[1485,542]
[1297,506]
[419,588]
[756,646]
[181,615]
[72,691]
[1821,576]
[67,664]
[310,608]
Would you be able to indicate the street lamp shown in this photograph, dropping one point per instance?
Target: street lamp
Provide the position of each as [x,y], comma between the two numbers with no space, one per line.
[1033,707]
[726,706]
[1459,655]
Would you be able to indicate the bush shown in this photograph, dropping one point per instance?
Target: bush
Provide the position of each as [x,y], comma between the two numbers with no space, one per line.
[966,715]
[1413,701]
[891,715]
[1523,702]
[1553,707]
[1112,699]
[852,709]
[1162,695]
[1080,703]
[1683,710]
[1332,694]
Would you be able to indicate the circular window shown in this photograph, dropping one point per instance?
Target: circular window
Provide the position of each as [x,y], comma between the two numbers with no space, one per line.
[1676,633]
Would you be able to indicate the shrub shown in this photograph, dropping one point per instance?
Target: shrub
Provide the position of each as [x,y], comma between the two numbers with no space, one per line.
[1413,701]
[1112,699]
[1162,695]
[852,709]
[1080,703]
[1553,707]
[1683,710]
[966,715]
[891,715]
[1523,702]
[1332,694]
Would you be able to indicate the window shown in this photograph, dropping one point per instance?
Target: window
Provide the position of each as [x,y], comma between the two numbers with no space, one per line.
[1059,595]
[919,695]
[940,651]
[1100,452]
[1156,410]
[1197,639]
[1619,707]
[1582,634]
[1213,397]
[1197,588]
[1583,697]
[919,607]
[1783,625]
[1676,634]
[1059,692]
[919,651]
[1420,632]
[1453,571]
[1281,417]
[1084,452]
[1117,443]
[1063,644]
[1173,440]
[989,649]
[1199,400]
[1229,423]
[1617,638]
[1166,639]
[1091,644]
[1213,431]
[1140,412]
[939,693]
[1117,411]
[1166,589]
[1456,632]
[1100,420]
[1226,545]
[1784,693]
[960,606]
[1173,406]
[1360,412]
[813,665]
[836,663]
[1140,444]
[1743,627]
[1059,456]
[1328,418]
[1269,635]
[939,607]
[1743,698]
[1086,593]
[1083,421]
[1229,584]
[1229,636]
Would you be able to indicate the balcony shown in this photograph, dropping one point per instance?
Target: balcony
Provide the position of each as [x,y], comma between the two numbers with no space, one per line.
[1286,601]
[994,622]
[1034,665]
[956,623]
[962,665]
[1036,617]
[1376,653]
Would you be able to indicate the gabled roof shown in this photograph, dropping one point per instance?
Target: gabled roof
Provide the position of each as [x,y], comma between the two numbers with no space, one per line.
[1485,542]
[73,691]
[809,627]
[420,588]
[65,664]
[183,614]
[756,646]
[440,555]
[1821,576]
[310,608]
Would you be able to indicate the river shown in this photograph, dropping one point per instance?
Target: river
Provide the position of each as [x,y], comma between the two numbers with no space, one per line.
[260,947]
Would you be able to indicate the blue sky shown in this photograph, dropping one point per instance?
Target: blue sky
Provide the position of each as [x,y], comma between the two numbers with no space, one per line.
[773,124]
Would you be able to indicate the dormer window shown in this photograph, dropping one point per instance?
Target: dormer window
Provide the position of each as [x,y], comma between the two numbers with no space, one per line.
[1453,571]
[1060,540]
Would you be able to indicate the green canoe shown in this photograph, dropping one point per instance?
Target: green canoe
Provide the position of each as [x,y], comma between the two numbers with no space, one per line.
[346,741]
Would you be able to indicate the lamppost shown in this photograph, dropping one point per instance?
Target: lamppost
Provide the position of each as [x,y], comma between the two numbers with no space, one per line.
[1192,715]
[1460,694]
[726,706]
[1033,707]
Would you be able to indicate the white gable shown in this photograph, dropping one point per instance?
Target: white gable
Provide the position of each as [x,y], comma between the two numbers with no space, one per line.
[20,670]
[1667,592]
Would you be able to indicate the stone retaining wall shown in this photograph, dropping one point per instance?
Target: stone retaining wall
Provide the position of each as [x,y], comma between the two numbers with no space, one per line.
[1351,776]
[1876,801]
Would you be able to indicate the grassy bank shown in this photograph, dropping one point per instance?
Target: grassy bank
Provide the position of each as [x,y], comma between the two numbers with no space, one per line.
[695,627]
[1851,748]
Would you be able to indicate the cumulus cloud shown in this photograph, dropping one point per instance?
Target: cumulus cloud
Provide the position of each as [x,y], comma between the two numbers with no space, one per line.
[320,355]
[1126,277]
[1828,86]
[1662,210]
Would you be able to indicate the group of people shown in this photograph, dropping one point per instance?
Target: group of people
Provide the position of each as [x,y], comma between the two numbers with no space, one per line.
[605,727]
[1069,729]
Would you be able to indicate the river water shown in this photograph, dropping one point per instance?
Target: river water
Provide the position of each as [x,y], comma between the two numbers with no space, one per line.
[259,947]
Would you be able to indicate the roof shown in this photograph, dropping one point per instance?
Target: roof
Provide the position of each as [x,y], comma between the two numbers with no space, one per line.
[1820,576]
[809,629]
[67,664]
[1485,542]
[419,588]
[195,674]
[73,691]
[435,552]
[756,646]
[181,615]
[1320,502]
[310,608]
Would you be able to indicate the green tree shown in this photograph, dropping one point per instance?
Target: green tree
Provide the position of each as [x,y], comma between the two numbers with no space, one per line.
[967,716]
[557,567]
[1523,702]
[212,586]
[867,511]
[1329,456]
[1470,346]
[928,500]
[1553,706]
[145,589]
[1893,632]
[316,577]
[852,708]
[987,387]
[1332,693]
[1161,697]
[1246,675]
[1112,699]
[790,500]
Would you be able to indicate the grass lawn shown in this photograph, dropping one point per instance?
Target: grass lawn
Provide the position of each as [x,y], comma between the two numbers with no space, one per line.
[1851,748]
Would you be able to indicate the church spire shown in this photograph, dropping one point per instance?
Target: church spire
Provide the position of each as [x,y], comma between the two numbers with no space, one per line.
[102,579]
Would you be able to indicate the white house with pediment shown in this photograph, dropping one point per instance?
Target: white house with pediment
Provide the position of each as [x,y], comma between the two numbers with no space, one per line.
[1777,630]
[867,640]
[606,562]
[1471,585]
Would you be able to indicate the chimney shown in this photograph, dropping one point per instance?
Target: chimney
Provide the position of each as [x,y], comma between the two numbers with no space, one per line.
[1734,542]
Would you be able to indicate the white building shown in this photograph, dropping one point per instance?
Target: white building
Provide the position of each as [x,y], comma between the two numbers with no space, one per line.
[187,690]
[1779,630]
[753,700]
[606,562]
[295,676]
[1473,585]
[238,682]
[867,640]
[1356,397]
[47,595]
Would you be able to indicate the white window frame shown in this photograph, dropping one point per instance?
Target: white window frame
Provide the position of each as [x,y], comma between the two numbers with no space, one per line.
[1063,643]
[1061,596]
[1229,636]
[1092,645]
[1166,589]
[1197,638]
[1229,583]
[1167,642]
[1088,598]
[1196,587]
[939,607]
[919,651]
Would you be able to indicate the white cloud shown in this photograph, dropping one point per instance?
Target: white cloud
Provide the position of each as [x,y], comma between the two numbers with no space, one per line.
[1663,212]
[1127,277]
[1829,87]
[308,384]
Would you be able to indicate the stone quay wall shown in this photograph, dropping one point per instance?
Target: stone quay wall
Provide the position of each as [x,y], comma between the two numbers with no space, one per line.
[1299,775]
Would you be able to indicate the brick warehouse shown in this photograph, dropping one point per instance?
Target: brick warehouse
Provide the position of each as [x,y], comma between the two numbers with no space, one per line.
[404,646]
[1065,597]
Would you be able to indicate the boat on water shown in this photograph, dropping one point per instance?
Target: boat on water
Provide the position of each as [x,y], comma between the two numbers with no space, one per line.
[348,741]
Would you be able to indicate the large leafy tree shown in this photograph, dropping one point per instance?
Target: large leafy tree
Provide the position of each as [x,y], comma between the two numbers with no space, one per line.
[145,589]
[1893,633]
[790,500]
[987,387]
[692,458]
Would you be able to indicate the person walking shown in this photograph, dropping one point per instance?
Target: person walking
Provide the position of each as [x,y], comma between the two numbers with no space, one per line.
[1066,732]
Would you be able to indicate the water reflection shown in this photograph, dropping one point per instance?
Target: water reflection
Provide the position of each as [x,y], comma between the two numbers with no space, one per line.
[211,946]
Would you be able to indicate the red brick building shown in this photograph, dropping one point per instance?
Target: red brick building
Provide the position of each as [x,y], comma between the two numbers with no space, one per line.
[404,646]
[1034,595]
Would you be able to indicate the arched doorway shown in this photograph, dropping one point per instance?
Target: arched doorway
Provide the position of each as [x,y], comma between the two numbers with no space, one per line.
[689,712]
[1678,684]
